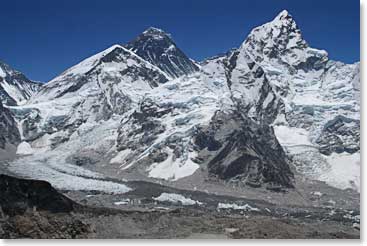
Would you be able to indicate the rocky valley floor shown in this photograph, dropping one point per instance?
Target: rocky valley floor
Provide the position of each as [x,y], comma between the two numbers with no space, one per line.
[177,223]
[151,210]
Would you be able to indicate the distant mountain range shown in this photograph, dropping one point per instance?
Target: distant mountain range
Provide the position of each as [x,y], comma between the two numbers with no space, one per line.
[257,115]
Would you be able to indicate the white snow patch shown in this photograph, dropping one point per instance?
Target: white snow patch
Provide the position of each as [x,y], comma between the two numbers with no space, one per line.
[24,148]
[162,208]
[122,202]
[120,157]
[235,206]
[268,100]
[344,172]
[176,198]
[291,136]
[317,193]
[2,73]
[171,169]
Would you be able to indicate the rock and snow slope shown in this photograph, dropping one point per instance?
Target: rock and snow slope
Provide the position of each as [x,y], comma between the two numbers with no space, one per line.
[245,116]
[15,88]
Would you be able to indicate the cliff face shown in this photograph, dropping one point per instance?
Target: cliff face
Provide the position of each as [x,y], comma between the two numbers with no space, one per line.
[34,209]
[19,195]
[9,133]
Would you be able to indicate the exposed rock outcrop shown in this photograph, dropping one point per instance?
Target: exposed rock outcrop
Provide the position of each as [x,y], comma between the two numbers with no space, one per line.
[158,48]
[239,149]
[9,133]
[19,195]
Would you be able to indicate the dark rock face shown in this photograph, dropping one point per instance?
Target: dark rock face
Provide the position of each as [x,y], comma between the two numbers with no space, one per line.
[24,87]
[5,97]
[157,47]
[143,126]
[18,195]
[340,135]
[239,149]
[251,90]
[33,209]
[9,133]
[241,145]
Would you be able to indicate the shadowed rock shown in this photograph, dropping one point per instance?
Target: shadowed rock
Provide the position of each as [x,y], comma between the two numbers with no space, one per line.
[9,133]
[157,47]
[239,149]
[18,195]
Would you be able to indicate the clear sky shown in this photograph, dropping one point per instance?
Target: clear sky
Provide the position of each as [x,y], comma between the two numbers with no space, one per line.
[42,38]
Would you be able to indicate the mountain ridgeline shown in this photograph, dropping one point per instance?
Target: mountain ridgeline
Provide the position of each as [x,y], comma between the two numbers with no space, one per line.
[15,87]
[144,109]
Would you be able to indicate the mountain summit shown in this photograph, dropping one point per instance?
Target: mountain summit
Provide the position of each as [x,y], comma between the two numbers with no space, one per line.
[157,47]
[15,87]
[280,41]
[156,33]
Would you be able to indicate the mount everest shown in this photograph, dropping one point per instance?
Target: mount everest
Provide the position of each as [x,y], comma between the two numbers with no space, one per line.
[260,115]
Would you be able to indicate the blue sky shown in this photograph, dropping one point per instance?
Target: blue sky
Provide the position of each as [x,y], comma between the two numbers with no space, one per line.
[42,38]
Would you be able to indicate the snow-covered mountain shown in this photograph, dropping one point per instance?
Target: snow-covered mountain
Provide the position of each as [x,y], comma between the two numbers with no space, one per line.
[313,102]
[106,84]
[158,48]
[145,110]
[15,88]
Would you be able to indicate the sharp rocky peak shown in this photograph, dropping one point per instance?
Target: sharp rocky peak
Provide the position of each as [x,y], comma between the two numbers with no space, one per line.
[284,14]
[157,47]
[281,41]
[285,21]
[282,30]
